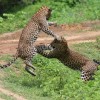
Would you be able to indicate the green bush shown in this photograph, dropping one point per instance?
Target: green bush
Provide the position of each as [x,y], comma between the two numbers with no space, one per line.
[61,13]
[70,3]
[7,5]
[14,2]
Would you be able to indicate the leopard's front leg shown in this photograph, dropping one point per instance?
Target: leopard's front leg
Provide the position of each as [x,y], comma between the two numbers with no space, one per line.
[52,23]
[46,51]
[44,27]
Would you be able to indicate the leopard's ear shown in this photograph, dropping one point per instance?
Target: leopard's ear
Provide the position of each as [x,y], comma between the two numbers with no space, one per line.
[50,9]
[63,39]
[64,42]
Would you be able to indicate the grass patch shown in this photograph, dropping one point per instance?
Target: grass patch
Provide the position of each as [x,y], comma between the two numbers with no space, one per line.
[5,97]
[54,81]
[90,49]
[62,13]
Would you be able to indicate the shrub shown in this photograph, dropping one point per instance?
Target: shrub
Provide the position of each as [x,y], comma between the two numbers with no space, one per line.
[6,5]
[70,3]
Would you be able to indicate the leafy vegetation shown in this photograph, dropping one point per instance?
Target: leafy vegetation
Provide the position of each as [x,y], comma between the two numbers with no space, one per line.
[5,97]
[54,81]
[17,17]
[70,3]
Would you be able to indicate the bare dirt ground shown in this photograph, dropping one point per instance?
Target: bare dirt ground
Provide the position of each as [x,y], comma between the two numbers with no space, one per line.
[73,33]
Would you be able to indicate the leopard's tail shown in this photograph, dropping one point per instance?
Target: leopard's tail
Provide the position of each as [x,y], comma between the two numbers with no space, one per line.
[9,63]
[98,62]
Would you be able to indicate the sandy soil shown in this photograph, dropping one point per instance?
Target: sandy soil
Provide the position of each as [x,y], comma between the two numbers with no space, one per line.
[9,41]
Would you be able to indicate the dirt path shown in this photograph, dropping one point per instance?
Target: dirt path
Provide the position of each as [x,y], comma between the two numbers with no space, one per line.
[9,93]
[9,42]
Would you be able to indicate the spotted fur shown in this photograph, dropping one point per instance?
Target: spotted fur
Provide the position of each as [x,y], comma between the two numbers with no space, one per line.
[60,50]
[26,49]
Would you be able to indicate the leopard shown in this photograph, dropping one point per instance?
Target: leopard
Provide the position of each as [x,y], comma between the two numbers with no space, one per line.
[60,50]
[26,49]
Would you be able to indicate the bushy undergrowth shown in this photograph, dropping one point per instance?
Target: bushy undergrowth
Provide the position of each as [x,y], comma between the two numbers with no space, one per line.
[17,18]
[54,79]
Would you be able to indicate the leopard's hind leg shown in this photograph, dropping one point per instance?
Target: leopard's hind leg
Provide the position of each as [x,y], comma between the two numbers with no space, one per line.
[88,71]
[86,76]
[29,71]
[28,61]
[29,64]
[29,67]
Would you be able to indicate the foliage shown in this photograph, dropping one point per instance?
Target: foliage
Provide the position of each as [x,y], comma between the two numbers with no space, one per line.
[54,80]
[61,13]
[1,19]
[5,97]
[14,2]
[7,5]
[70,3]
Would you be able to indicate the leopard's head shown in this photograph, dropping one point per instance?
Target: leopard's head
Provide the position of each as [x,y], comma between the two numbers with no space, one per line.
[59,45]
[46,11]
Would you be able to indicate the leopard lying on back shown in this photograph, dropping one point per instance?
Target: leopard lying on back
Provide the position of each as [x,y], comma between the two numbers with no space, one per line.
[59,49]
[26,49]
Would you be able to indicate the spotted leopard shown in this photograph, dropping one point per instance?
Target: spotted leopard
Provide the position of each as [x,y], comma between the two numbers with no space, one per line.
[26,49]
[59,49]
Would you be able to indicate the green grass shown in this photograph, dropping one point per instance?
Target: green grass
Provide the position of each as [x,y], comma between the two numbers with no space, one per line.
[54,81]
[62,13]
[5,97]
[91,50]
